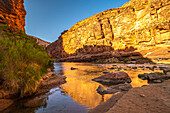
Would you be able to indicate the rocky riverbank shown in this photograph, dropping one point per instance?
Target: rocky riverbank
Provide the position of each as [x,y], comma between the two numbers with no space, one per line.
[153,98]
[50,80]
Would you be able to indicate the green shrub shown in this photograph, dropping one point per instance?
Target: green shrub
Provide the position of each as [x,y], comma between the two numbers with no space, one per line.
[22,63]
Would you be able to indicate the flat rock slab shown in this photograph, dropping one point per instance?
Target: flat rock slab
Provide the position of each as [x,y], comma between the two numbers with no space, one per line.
[5,103]
[154,98]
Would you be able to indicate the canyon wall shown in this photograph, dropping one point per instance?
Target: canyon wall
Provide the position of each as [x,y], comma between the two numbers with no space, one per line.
[141,24]
[12,12]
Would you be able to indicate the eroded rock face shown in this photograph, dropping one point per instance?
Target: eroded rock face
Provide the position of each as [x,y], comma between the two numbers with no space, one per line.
[141,24]
[12,12]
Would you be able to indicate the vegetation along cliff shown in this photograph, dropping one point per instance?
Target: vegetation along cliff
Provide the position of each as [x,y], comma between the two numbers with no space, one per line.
[23,62]
[143,25]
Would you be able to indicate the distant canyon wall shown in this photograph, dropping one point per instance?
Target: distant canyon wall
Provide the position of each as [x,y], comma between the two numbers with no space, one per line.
[141,24]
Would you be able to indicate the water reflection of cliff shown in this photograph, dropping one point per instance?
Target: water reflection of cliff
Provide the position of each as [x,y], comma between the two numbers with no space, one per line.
[79,85]
[82,90]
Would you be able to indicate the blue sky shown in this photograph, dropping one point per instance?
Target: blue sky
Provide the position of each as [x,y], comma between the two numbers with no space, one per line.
[46,19]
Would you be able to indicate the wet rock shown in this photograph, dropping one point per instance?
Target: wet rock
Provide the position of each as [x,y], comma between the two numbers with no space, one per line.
[166,70]
[156,77]
[121,87]
[5,103]
[143,76]
[113,78]
[141,66]
[157,81]
[112,68]
[150,68]
[105,72]
[144,85]
[134,67]
[162,68]
[72,68]
[113,89]
[128,66]
[154,67]
[101,90]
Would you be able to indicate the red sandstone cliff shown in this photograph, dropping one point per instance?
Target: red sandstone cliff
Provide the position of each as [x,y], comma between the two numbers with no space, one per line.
[12,12]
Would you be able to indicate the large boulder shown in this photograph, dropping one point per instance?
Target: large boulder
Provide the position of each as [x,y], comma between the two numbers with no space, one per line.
[113,78]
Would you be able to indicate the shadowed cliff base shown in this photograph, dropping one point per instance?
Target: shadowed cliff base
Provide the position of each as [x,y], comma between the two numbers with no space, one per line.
[96,53]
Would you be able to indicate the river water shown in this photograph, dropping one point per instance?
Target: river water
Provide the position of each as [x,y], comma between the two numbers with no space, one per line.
[78,94]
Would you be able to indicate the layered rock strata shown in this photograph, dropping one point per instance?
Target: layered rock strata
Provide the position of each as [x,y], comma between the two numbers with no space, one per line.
[141,24]
[12,12]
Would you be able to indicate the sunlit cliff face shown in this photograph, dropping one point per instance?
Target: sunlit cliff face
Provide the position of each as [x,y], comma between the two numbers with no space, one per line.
[83,90]
[142,24]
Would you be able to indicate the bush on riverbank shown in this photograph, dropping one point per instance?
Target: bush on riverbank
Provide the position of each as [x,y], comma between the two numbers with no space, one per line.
[22,62]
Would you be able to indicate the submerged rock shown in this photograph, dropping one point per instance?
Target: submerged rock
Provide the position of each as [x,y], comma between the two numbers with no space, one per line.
[72,68]
[113,78]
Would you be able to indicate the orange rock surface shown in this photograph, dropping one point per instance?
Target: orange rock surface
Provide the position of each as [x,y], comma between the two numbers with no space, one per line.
[12,12]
